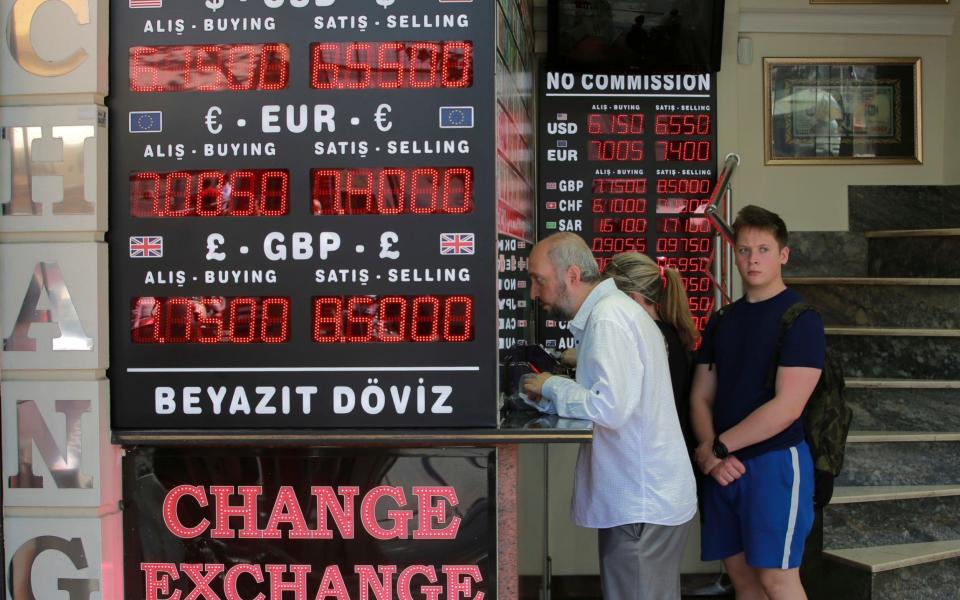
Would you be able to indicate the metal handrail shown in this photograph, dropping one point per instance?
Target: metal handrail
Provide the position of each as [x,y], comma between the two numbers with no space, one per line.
[730,164]
[721,200]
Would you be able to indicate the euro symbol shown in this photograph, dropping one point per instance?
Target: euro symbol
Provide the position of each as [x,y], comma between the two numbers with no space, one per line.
[212,118]
[385,3]
[383,123]
[214,4]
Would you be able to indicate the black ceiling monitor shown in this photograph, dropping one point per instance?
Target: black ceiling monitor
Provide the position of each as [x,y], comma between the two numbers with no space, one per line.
[646,35]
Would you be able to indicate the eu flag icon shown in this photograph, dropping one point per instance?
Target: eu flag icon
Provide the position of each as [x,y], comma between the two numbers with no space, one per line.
[456,117]
[146,121]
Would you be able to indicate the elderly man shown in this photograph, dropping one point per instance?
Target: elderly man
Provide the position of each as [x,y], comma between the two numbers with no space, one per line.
[634,482]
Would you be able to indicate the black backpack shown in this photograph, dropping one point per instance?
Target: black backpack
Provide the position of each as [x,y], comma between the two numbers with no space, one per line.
[826,418]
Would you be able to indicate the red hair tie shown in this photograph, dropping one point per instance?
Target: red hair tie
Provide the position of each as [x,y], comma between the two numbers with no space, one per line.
[663,277]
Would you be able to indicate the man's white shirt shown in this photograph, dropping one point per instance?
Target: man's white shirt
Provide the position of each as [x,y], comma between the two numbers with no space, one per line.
[636,469]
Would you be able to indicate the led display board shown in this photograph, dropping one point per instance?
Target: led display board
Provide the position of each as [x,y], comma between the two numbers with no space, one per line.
[303,214]
[628,162]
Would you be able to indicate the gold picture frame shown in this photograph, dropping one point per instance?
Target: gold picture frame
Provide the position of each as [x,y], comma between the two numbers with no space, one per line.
[842,111]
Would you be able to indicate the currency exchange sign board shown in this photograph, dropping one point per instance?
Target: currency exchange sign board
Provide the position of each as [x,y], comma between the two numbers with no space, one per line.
[628,161]
[302,226]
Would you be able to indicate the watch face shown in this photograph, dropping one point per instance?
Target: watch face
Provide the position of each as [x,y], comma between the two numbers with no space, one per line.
[720,449]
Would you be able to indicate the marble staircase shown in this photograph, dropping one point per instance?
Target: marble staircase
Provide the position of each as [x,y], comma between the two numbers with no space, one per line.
[889,293]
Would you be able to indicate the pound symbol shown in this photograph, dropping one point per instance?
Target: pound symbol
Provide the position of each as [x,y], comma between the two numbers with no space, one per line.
[387,240]
[214,241]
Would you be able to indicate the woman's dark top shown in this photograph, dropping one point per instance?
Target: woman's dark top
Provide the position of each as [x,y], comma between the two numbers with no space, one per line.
[681,374]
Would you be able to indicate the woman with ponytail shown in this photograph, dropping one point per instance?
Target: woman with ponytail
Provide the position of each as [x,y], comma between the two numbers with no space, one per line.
[659,290]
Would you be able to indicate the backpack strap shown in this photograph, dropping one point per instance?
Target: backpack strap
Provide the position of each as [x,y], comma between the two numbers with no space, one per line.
[787,320]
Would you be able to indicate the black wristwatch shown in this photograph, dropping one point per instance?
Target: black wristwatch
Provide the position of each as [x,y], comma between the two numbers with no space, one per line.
[720,449]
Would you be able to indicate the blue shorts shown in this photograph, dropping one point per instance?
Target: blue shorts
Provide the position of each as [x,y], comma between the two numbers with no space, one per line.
[766,514]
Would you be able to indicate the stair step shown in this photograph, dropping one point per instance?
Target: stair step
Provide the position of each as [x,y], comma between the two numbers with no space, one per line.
[887,352]
[904,408]
[867,382]
[892,331]
[878,493]
[861,516]
[886,207]
[815,253]
[883,302]
[877,559]
[916,255]
[893,233]
[901,458]
[865,437]
[919,281]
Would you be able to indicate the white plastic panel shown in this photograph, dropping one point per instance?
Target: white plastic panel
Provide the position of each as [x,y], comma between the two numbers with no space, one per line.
[46,555]
[53,168]
[53,300]
[56,449]
[53,47]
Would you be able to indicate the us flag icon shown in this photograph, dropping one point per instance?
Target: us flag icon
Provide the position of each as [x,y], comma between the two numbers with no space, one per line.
[457,243]
[146,246]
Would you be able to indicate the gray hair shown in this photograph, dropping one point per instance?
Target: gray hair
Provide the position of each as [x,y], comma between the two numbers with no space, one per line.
[569,250]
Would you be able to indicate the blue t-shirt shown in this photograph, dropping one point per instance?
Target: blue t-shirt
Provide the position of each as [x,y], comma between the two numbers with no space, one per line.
[742,349]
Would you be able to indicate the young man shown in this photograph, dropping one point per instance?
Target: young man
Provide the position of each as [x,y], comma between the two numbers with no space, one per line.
[758,497]
[633,482]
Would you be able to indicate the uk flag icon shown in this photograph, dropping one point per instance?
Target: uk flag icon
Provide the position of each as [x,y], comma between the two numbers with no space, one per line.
[146,246]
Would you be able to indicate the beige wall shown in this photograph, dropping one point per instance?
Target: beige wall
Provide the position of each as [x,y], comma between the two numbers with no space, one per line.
[811,198]
[951,147]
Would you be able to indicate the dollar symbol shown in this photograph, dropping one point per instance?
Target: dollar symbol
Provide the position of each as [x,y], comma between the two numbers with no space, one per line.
[214,4]
[385,3]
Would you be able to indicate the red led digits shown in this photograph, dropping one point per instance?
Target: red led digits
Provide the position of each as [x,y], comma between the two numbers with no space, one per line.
[615,245]
[615,123]
[685,264]
[696,284]
[702,305]
[209,68]
[683,150]
[701,245]
[241,193]
[682,205]
[682,225]
[619,225]
[392,191]
[362,319]
[684,186]
[615,150]
[391,65]
[682,124]
[210,320]
[619,205]
[619,186]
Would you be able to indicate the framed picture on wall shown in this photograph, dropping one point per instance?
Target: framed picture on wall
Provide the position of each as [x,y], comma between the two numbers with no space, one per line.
[842,111]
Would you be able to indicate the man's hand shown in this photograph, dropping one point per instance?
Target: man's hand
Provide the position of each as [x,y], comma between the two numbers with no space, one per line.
[568,358]
[531,384]
[704,457]
[728,470]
